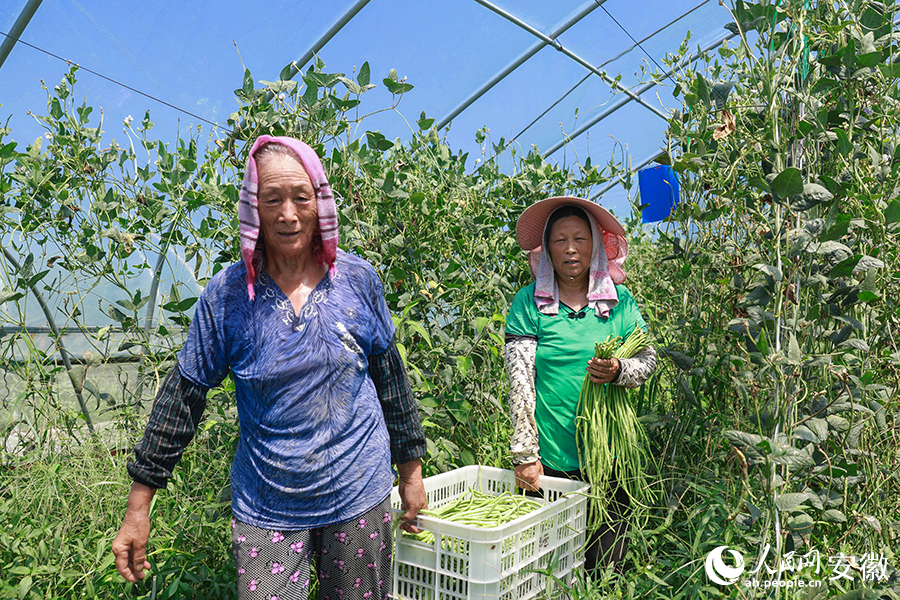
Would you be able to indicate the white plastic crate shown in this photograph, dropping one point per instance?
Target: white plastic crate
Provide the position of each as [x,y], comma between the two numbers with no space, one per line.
[473,563]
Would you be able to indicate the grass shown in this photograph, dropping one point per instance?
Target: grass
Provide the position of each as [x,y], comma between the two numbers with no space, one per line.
[59,514]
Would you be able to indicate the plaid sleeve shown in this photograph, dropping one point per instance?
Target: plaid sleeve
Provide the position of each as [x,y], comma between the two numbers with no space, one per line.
[398,405]
[173,421]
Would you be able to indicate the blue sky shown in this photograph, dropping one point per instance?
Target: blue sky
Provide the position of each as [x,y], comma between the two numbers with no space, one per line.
[192,54]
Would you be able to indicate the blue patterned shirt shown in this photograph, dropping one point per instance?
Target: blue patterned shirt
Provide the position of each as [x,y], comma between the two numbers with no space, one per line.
[314,447]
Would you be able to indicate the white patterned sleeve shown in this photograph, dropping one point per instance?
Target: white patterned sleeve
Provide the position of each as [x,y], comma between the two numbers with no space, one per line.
[637,369]
[520,357]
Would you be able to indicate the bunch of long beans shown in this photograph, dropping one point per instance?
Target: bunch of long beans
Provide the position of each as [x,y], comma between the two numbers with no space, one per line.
[480,510]
[609,434]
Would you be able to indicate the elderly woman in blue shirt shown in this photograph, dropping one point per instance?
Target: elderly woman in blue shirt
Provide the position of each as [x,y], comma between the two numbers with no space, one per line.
[323,399]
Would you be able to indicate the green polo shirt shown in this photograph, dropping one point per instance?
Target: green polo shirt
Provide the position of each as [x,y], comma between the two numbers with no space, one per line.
[564,345]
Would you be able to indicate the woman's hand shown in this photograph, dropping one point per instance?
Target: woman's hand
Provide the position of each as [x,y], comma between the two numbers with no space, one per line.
[130,545]
[412,493]
[603,370]
[528,475]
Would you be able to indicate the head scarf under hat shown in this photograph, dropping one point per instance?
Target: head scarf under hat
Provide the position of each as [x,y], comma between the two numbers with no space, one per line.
[607,258]
[248,207]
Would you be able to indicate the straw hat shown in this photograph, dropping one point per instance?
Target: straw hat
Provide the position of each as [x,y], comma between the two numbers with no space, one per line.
[530,226]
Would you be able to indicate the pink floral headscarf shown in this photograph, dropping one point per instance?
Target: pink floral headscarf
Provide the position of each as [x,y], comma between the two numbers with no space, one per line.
[248,208]
[606,271]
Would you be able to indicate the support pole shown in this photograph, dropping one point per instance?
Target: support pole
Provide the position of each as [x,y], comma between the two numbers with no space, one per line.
[18,29]
[59,343]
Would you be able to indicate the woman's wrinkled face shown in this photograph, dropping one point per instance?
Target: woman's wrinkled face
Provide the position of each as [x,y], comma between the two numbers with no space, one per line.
[570,245]
[287,206]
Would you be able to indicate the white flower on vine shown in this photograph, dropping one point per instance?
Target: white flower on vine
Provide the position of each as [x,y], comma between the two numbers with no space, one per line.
[49,136]
[282,96]
[128,120]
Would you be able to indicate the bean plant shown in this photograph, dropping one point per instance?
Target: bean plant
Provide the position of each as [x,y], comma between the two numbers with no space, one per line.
[775,296]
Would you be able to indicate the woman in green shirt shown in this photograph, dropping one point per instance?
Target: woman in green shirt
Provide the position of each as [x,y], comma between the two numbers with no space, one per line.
[577,249]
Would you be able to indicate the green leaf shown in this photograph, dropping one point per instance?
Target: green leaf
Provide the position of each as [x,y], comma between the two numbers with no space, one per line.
[762,344]
[749,442]
[805,127]
[890,71]
[844,145]
[867,263]
[9,295]
[8,150]
[840,468]
[892,212]
[802,432]
[276,87]
[352,87]
[720,92]
[656,579]
[788,183]
[25,585]
[463,363]
[818,427]
[418,328]
[794,354]
[856,344]
[397,88]
[362,78]
[682,361]
[758,296]
[869,59]
[761,184]
[55,110]
[784,454]
[468,457]
[801,522]
[812,195]
[36,278]
[836,232]
[116,314]
[833,515]
[839,424]
[286,72]
[839,336]
[845,267]
[788,502]
[770,270]
[703,89]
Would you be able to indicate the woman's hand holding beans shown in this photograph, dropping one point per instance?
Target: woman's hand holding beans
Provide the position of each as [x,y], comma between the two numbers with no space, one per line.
[603,370]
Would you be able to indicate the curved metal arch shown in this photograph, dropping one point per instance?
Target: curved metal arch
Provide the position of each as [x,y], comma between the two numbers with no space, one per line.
[622,53]
[550,40]
[518,62]
[577,132]
[326,37]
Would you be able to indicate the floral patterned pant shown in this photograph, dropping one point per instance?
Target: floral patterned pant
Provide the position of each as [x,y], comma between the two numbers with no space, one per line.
[353,559]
